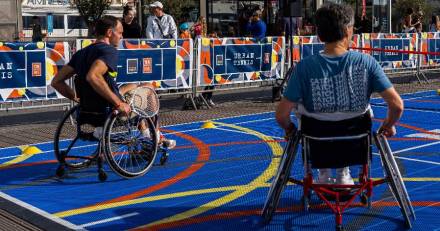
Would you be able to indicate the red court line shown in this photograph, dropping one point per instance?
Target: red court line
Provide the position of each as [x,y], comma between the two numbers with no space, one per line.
[204,155]
[257,212]
[411,127]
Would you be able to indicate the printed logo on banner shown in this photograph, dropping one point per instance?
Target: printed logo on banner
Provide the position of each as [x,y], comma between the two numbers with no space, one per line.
[132,66]
[147,66]
[36,69]
[219,60]
[266,58]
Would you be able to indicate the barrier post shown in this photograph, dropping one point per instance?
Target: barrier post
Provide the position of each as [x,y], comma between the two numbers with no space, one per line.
[419,60]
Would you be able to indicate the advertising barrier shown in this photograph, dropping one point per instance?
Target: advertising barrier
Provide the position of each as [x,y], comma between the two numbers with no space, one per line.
[26,70]
[429,44]
[399,42]
[224,61]
[167,63]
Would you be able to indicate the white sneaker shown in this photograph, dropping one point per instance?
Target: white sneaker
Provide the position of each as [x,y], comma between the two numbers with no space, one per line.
[97,133]
[325,176]
[170,144]
[146,133]
[343,176]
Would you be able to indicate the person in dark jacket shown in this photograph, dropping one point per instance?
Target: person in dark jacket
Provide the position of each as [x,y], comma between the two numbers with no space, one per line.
[131,27]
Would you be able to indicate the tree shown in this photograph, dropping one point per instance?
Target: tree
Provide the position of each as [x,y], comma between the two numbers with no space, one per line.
[90,11]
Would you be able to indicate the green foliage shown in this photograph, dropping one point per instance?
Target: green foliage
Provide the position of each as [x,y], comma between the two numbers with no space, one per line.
[176,8]
[91,10]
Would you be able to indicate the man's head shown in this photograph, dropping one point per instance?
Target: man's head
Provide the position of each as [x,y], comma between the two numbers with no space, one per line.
[256,15]
[157,8]
[109,28]
[334,22]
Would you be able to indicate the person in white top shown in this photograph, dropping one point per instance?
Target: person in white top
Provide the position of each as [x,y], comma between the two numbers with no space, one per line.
[160,25]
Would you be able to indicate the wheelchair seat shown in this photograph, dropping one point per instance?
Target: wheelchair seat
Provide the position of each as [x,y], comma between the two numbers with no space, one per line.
[337,144]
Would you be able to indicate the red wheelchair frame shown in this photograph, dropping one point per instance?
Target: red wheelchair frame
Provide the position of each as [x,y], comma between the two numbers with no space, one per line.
[342,197]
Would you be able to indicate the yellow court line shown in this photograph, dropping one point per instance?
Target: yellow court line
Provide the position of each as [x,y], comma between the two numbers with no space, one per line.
[22,157]
[277,150]
[73,212]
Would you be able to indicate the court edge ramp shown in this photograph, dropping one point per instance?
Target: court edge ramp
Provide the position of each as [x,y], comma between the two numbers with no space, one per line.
[17,215]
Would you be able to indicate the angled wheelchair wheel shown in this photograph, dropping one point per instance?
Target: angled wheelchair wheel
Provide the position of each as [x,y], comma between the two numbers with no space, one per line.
[128,151]
[395,181]
[280,179]
[74,144]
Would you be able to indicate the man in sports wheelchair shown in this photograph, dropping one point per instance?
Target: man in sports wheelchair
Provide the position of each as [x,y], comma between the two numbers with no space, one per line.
[329,94]
[94,69]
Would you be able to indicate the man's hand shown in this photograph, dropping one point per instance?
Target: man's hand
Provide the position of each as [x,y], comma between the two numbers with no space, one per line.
[123,108]
[387,131]
[290,131]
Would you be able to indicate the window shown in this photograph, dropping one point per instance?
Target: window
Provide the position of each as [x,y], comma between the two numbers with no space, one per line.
[76,22]
[27,22]
[58,22]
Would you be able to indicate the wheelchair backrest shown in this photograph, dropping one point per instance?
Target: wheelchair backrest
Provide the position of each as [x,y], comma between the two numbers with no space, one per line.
[336,144]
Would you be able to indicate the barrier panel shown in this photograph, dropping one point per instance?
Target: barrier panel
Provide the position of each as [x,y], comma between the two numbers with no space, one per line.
[26,70]
[304,46]
[400,42]
[430,42]
[167,63]
[223,61]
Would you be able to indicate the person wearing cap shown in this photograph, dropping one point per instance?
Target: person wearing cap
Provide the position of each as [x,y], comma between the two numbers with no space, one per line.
[160,25]
[184,30]
[256,26]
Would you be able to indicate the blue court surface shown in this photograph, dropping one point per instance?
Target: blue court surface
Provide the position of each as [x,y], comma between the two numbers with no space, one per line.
[218,179]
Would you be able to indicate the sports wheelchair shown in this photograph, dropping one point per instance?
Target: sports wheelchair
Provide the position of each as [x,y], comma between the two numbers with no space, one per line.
[82,138]
[321,148]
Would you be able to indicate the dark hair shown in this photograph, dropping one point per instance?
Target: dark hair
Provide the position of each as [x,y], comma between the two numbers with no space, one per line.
[126,8]
[105,23]
[332,20]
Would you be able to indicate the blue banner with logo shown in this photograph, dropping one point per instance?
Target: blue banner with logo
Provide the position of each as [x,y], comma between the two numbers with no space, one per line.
[166,63]
[26,69]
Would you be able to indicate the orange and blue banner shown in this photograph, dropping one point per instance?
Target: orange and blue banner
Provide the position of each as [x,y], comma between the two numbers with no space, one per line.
[26,69]
[239,60]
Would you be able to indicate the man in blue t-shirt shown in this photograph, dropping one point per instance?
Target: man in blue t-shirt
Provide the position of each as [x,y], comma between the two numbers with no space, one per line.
[256,26]
[96,69]
[337,84]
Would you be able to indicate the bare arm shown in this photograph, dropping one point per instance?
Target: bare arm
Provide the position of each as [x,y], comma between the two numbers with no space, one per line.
[95,77]
[282,115]
[395,110]
[58,82]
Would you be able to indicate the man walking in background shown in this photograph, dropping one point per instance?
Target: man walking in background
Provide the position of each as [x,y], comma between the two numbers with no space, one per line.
[160,25]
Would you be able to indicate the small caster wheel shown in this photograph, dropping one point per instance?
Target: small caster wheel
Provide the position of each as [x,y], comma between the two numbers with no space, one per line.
[102,176]
[60,171]
[339,228]
[364,199]
[163,158]
[305,203]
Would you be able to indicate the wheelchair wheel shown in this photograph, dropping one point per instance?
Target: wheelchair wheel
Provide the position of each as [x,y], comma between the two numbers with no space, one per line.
[74,145]
[280,179]
[129,153]
[395,181]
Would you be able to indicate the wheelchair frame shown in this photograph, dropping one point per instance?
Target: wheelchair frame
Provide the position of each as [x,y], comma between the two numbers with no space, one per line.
[324,191]
[103,146]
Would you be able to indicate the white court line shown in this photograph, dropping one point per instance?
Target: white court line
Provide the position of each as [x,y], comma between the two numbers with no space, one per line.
[40,212]
[108,220]
[412,159]
[193,122]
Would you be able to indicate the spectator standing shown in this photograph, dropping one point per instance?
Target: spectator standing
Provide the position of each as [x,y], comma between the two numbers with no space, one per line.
[184,31]
[256,26]
[200,28]
[161,25]
[37,34]
[131,27]
[435,24]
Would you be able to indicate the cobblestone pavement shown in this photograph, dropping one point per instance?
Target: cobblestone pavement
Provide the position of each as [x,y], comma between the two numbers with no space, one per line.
[38,125]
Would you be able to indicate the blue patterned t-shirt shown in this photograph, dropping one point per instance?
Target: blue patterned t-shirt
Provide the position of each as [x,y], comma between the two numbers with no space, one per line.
[340,84]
